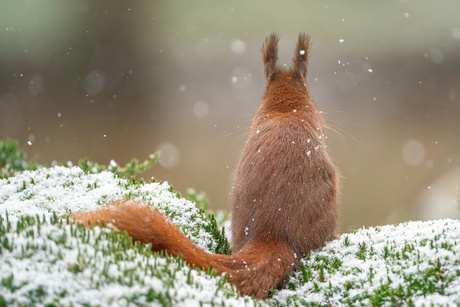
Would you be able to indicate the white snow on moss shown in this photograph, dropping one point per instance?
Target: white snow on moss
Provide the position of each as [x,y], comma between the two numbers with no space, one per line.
[414,263]
[57,263]
[50,264]
[62,190]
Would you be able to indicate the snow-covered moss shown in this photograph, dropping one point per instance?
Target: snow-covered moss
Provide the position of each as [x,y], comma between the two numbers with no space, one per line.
[63,190]
[415,263]
[46,261]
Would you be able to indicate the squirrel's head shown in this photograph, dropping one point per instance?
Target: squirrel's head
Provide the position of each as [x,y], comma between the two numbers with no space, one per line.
[286,89]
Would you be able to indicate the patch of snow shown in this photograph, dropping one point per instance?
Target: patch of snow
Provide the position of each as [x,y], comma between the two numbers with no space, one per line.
[60,190]
[406,255]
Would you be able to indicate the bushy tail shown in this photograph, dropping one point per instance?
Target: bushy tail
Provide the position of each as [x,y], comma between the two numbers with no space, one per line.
[258,267]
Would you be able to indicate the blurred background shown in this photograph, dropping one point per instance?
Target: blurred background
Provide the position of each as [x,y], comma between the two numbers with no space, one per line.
[120,79]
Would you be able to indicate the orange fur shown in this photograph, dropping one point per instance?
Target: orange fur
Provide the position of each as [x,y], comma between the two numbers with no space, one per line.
[284,194]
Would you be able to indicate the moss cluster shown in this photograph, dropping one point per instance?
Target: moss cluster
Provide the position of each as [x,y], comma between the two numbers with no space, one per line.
[62,264]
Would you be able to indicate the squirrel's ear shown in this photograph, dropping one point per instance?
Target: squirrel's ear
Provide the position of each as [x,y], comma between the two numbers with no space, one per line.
[270,56]
[301,55]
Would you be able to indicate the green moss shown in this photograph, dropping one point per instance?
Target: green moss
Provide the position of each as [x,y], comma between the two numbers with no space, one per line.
[13,160]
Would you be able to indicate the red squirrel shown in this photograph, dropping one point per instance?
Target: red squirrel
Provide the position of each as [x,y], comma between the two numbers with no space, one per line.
[284,192]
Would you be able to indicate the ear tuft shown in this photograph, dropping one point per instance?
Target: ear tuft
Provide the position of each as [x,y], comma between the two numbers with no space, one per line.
[301,56]
[270,56]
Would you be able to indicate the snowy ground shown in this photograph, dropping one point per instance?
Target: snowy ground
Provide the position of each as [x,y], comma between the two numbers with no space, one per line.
[44,260]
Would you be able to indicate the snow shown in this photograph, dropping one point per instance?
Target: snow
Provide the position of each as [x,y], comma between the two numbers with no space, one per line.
[93,282]
[46,261]
[63,190]
[393,256]
[71,265]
